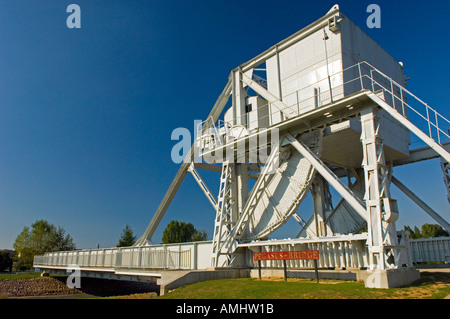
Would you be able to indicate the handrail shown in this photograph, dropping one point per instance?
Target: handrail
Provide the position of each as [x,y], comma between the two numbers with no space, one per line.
[165,256]
[366,77]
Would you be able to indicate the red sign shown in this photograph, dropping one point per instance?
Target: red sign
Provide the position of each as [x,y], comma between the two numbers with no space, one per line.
[287,255]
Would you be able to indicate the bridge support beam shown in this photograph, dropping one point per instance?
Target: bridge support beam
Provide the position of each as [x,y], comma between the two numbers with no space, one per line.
[445,165]
[381,209]
[421,204]
[322,205]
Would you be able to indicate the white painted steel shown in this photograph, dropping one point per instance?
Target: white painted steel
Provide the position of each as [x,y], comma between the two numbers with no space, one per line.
[347,251]
[445,166]
[170,256]
[340,251]
[343,219]
[413,128]
[331,81]
[323,170]
[282,193]
[382,242]
[431,249]
[421,203]
[182,172]
[202,185]
[224,222]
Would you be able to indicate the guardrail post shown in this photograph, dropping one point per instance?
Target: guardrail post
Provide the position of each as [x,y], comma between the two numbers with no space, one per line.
[179,256]
[140,250]
[103,257]
[195,262]
[118,259]
[166,257]
[371,77]
[437,128]
[428,119]
[259,269]
[316,271]
[403,102]
[392,94]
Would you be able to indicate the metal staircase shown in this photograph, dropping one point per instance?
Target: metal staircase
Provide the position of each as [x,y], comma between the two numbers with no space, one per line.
[223,222]
[406,108]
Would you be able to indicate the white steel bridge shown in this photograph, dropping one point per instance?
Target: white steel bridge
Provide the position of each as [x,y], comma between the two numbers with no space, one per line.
[326,104]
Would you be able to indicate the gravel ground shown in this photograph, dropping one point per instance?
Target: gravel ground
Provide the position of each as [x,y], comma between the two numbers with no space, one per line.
[34,287]
[52,286]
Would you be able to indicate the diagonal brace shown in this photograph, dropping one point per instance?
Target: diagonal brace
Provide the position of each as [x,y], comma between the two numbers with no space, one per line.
[182,172]
[421,204]
[331,178]
[203,185]
[272,99]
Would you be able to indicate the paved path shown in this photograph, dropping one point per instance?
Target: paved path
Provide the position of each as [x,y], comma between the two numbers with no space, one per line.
[447,270]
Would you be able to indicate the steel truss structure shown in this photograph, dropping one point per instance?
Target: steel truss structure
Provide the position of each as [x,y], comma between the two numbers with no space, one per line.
[312,144]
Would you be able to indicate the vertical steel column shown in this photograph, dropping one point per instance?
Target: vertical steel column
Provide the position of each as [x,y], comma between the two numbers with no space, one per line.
[238,98]
[446,170]
[322,204]
[380,224]
[241,188]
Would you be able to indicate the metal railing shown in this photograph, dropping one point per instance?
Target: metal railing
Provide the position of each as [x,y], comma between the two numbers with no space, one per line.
[359,77]
[430,249]
[176,256]
[337,253]
[409,105]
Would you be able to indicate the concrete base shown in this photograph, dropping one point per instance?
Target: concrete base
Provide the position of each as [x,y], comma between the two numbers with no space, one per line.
[390,278]
[174,279]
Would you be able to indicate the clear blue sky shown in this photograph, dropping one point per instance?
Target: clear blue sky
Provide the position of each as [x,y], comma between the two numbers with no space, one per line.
[86,114]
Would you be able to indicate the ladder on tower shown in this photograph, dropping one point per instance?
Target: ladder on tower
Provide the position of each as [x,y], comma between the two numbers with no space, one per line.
[223,220]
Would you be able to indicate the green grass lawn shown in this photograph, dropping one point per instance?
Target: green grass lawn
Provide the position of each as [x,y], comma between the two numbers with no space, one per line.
[431,286]
[29,275]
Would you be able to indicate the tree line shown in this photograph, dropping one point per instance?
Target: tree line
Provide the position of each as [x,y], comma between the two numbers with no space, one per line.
[427,231]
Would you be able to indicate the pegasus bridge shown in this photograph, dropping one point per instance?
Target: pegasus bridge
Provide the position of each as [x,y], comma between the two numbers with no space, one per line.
[329,107]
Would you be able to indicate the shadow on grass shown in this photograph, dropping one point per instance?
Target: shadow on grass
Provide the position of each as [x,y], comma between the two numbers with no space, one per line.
[107,287]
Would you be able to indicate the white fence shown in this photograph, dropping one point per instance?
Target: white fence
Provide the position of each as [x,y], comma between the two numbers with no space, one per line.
[353,253]
[430,249]
[340,253]
[170,256]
